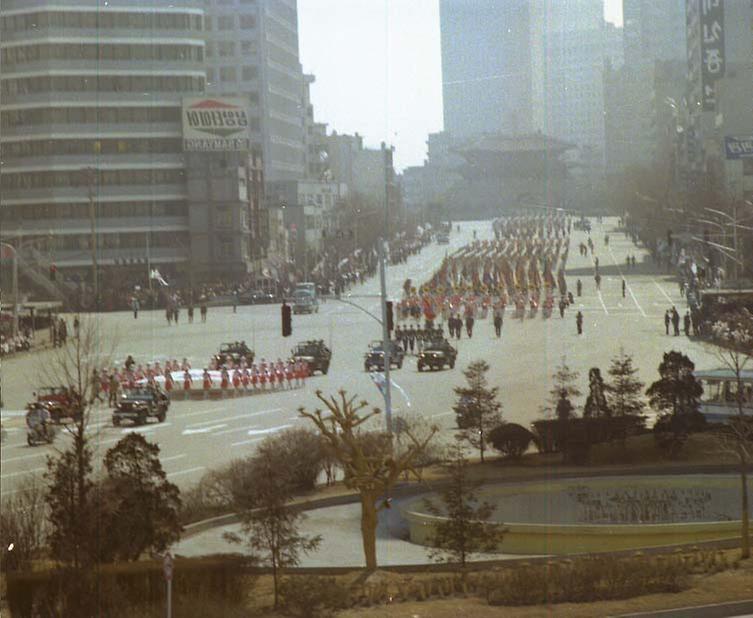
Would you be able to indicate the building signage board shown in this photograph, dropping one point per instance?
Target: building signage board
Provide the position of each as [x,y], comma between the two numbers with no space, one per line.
[215,124]
[739,147]
[712,50]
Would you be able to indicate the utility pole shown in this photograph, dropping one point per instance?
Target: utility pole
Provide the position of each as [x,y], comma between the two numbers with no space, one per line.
[386,341]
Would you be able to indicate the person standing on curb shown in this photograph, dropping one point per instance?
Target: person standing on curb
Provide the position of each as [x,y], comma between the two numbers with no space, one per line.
[579,322]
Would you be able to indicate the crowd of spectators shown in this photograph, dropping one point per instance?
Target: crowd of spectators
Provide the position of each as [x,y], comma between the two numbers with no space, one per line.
[12,345]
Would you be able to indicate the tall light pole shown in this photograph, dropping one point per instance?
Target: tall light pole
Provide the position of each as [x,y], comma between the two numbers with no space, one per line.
[386,341]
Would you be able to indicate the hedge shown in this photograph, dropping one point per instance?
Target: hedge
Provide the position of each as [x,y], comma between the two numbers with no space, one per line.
[104,589]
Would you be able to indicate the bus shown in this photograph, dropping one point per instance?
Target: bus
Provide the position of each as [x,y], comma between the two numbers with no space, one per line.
[719,399]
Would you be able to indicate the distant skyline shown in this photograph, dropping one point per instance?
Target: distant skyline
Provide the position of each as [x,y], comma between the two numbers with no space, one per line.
[378,68]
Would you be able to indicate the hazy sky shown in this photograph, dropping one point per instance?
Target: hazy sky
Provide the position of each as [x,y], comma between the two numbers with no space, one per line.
[378,68]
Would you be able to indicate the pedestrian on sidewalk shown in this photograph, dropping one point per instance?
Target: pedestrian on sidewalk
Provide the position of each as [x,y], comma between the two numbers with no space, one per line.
[498,322]
[579,322]
[562,306]
[579,287]
[686,323]
[135,307]
[597,279]
[667,321]
[624,286]
[676,321]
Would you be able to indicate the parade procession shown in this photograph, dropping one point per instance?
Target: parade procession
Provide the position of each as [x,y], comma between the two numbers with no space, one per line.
[524,266]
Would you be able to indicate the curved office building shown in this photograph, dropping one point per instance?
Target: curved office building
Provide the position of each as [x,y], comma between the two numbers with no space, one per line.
[90,129]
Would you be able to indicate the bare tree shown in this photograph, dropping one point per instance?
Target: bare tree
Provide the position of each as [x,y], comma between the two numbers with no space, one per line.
[271,527]
[71,490]
[371,471]
[409,427]
[736,438]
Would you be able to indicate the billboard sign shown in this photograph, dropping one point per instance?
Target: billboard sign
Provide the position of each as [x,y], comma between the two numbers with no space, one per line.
[215,124]
[712,50]
[738,147]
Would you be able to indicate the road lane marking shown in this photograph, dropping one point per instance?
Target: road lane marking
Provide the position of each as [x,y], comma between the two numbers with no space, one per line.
[629,287]
[233,418]
[209,411]
[601,299]
[261,432]
[173,457]
[22,472]
[442,414]
[144,428]
[188,432]
[186,471]
[246,442]
[42,454]
[661,289]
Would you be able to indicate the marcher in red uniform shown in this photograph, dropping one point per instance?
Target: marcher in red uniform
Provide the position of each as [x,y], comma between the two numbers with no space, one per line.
[236,380]
[263,374]
[290,373]
[246,378]
[255,376]
[169,382]
[187,382]
[280,370]
[206,382]
[224,381]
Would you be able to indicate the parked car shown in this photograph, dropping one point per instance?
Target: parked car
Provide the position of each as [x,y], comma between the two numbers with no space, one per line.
[234,350]
[139,404]
[436,354]
[443,238]
[316,355]
[59,401]
[374,358]
[257,297]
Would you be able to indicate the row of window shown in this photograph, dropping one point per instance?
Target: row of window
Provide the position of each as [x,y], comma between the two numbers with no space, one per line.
[88,115]
[108,210]
[102,51]
[44,180]
[95,19]
[229,22]
[104,83]
[130,240]
[227,49]
[230,74]
[38,148]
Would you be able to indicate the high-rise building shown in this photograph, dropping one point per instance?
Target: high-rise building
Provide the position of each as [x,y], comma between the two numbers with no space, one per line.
[568,45]
[252,51]
[486,66]
[90,119]
[653,30]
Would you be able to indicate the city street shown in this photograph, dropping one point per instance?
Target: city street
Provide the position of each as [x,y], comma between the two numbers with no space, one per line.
[199,435]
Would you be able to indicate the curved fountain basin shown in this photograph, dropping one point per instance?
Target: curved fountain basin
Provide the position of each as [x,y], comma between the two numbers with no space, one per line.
[602,514]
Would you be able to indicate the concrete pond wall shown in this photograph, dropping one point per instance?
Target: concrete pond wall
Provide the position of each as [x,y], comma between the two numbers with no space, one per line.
[602,514]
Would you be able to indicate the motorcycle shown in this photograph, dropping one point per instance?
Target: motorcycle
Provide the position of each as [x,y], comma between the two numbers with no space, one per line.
[39,427]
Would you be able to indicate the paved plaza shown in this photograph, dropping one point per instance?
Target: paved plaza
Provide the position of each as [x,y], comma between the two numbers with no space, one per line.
[199,435]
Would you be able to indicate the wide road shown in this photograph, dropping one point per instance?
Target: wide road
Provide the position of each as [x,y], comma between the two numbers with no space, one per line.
[199,435]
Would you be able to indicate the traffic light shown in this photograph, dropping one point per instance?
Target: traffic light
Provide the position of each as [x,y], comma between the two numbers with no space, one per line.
[287,320]
[390,318]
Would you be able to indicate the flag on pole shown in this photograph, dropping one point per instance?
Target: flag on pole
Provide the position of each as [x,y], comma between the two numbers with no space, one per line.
[381,383]
[155,275]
